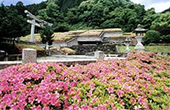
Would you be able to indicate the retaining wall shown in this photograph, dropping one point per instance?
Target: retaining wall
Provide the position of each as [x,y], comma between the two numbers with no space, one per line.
[84,49]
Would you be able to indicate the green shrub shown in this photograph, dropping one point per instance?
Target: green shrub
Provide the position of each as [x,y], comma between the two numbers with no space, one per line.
[152,36]
[165,39]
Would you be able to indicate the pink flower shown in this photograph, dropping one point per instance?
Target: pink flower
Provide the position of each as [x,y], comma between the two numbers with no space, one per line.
[140,100]
[120,93]
[31,100]
[37,108]
[85,107]
[146,85]
[92,85]
[110,89]
[133,100]
[46,108]
[14,107]
[21,105]
[113,107]
[66,86]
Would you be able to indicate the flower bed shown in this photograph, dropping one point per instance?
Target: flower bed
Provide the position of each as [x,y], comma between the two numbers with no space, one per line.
[140,82]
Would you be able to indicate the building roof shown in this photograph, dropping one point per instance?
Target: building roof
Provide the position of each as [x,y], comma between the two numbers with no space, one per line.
[91,33]
[77,32]
[125,35]
[65,36]
[98,32]
[113,30]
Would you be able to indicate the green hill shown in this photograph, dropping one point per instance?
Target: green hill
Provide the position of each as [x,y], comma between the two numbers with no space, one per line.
[66,4]
[167,10]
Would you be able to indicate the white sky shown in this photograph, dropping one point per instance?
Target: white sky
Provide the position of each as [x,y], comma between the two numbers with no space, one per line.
[159,5]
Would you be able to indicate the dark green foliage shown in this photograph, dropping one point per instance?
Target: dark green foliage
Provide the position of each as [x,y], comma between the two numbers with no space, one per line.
[107,14]
[68,15]
[148,18]
[167,10]
[61,27]
[12,23]
[51,13]
[67,4]
[162,23]
[34,8]
[165,38]
[47,34]
[152,36]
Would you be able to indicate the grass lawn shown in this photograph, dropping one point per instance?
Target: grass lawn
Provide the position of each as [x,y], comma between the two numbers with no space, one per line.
[27,38]
[149,48]
[21,46]
[57,37]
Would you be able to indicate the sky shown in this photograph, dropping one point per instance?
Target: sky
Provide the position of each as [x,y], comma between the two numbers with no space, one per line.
[159,5]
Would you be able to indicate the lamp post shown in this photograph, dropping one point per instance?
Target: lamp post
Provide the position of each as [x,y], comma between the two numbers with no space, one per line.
[127,43]
[139,36]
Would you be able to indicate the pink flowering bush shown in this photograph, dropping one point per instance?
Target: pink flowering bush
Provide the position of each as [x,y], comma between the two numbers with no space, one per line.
[142,81]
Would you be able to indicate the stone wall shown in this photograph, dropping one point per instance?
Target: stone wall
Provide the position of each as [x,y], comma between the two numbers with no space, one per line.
[84,49]
[111,34]
[67,63]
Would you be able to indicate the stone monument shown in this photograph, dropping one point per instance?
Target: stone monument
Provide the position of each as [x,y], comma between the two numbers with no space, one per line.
[127,43]
[99,55]
[35,22]
[29,55]
[139,36]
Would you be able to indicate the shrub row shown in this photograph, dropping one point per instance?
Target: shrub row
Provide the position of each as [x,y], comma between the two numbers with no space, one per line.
[142,81]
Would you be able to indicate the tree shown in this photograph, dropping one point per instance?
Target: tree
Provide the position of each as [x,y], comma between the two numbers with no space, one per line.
[124,18]
[152,36]
[149,17]
[47,34]
[51,13]
[20,8]
[107,14]
[165,39]
[162,23]
[61,27]
[2,24]
[65,5]
[35,8]
[12,24]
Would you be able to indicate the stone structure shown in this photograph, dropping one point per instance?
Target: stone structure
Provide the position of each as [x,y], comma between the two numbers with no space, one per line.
[139,46]
[85,49]
[99,55]
[127,43]
[139,36]
[35,22]
[29,55]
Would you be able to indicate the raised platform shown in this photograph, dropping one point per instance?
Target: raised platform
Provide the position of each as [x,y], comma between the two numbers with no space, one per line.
[66,59]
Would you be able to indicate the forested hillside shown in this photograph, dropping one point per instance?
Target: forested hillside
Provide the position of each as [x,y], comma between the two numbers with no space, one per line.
[66,4]
[167,10]
[83,14]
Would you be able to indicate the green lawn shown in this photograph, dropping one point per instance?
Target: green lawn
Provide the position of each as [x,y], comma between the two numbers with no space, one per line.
[149,48]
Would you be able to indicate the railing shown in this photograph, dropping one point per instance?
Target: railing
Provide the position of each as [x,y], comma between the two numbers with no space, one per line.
[13,57]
